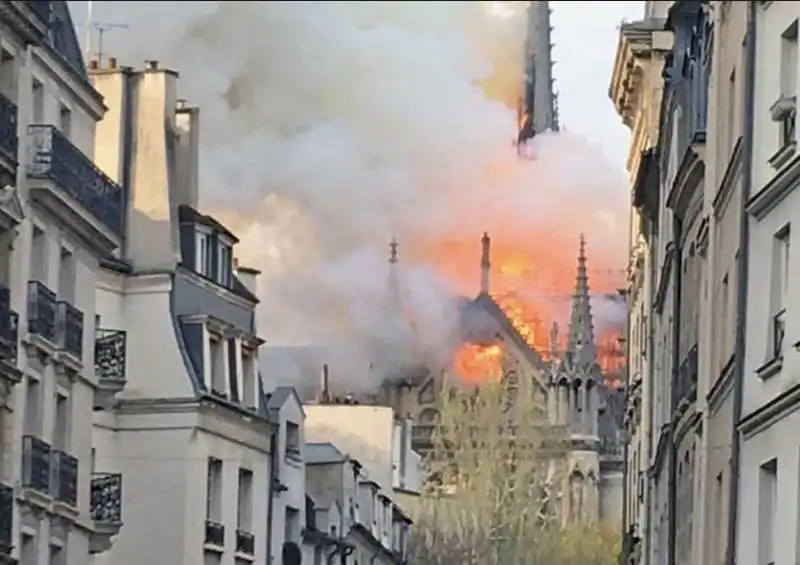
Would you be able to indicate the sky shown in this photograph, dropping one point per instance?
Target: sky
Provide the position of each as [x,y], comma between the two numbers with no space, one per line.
[585,38]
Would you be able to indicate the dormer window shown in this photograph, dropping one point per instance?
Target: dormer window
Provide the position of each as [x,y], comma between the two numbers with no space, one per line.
[225,260]
[204,249]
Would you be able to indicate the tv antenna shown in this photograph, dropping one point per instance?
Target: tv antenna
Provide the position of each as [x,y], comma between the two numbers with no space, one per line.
[100,28]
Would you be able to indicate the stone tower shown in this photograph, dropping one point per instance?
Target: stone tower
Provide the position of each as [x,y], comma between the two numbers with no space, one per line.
[538,109]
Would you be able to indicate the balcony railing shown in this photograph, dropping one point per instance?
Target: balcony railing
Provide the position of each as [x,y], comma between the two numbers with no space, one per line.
[109,355]
[245,542]
[41,310]
[36,464]
[215,533]
[69,328]
[9,333]
[8,129]
[6,519]
[65,478]
[57,159]
[106,498]
[778,333]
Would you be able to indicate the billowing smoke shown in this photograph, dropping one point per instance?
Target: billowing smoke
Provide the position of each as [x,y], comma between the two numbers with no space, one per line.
[330,127]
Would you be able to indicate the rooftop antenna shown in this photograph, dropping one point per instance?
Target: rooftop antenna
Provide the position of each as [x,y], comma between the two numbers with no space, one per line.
[102,28]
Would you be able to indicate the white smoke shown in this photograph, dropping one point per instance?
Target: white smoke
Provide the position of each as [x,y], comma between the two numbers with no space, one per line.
[329,127]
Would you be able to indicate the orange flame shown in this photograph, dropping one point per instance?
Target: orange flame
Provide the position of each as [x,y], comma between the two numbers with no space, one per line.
[477,363]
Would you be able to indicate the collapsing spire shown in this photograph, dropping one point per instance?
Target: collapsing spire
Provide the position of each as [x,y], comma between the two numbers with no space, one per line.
[581,348]
[394,284]
[486,263]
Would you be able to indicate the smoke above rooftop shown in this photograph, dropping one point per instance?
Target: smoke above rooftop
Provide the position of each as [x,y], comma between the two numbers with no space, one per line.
[330,127]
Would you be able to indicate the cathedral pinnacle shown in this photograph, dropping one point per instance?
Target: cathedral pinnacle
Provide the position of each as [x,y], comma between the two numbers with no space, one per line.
[581,348]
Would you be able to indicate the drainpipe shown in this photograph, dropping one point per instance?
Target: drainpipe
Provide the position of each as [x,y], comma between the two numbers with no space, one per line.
[741,291]
[273,479]
[672,487]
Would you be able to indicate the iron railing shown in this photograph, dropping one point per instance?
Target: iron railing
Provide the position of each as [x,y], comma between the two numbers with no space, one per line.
[36,459]
[41,310]
[109,354]
[778,333]
[9,333]
[215,533]
[6,519]
[65,477]
[9,141]
[55,158]
[245,542]
[106,498]
[69,327]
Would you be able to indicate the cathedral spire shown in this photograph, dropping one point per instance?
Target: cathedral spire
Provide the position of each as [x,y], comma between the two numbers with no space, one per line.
[486,263]
[581,347]
[394,284]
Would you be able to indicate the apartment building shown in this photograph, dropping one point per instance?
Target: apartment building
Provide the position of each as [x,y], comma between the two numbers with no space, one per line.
[768,515]
[636,89]
[191,430]
[60,217]
[376,437]
[723,197]
[350,516]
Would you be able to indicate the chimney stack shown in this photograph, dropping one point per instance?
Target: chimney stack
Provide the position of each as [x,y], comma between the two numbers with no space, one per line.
[151,64]
[94,65]
[112,63]
[324,390]
[247,276]
[486,263]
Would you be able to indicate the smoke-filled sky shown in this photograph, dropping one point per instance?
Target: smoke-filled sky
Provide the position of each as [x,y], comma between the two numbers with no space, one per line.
[329,127]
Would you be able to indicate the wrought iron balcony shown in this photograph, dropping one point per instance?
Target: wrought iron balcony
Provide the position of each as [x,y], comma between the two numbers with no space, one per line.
[245,542]
[109,355]
[6,519]
[8,129]
[41,310]
[9,333]
[69,326]
[106,498]
[55,158]
[215,533]
[778,333]
[36,464]
[65,478]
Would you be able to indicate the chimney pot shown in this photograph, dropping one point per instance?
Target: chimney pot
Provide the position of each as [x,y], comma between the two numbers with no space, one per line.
[181,104]
[151,64]
[94,64]
[112,63]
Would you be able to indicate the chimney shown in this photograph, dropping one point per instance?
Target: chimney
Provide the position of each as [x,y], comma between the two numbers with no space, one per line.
[486,263]
[324,388]
[112,63]
[94,65]
[187,153]
[247,276]
[151,65]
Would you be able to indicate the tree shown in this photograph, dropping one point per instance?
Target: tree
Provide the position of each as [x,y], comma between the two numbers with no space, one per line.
[494,483]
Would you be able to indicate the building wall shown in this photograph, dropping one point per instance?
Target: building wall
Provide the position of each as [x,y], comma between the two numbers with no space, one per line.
[292,474]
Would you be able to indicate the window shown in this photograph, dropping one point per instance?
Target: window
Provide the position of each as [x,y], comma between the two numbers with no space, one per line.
[66,277]
[33,407]
[767,505]
[39,256]
[786,115]
[244,511]
[61,423]
[224,270]
[65,121]
[233,370]
[778,288]
[249,392]
[37,90]
[214,491]
[57,555]
[293,441]
[292,524]
[8,83]
[204,257]
[218,361]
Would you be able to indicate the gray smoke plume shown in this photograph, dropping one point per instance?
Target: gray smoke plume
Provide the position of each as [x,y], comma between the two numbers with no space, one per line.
[329,127]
